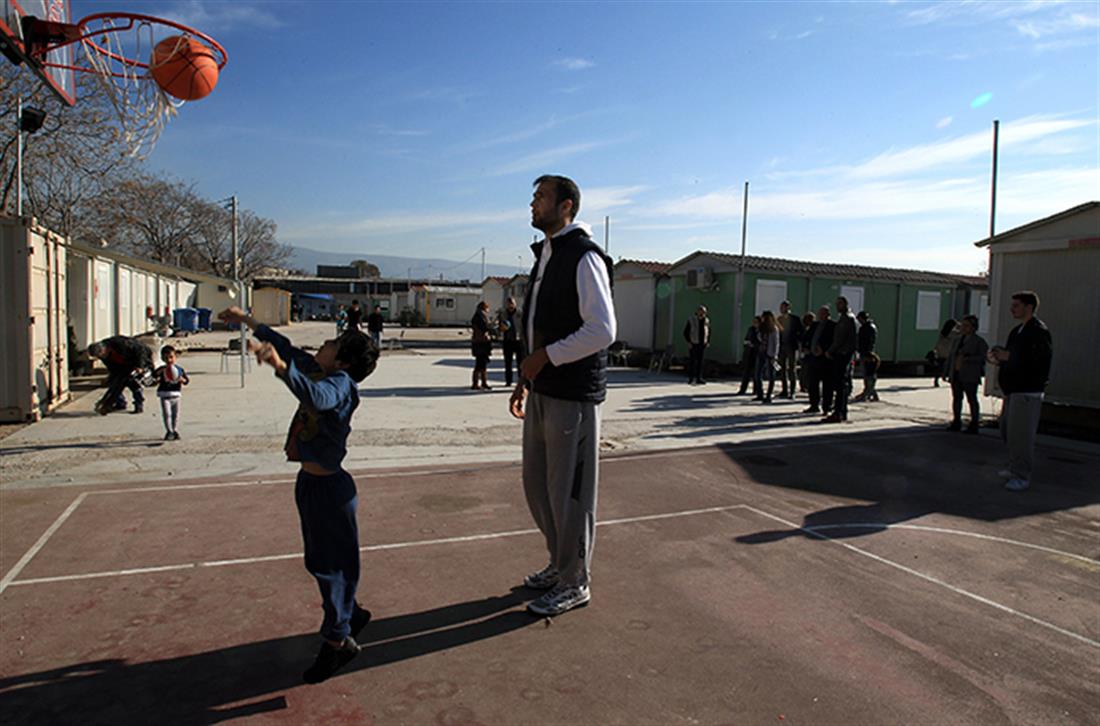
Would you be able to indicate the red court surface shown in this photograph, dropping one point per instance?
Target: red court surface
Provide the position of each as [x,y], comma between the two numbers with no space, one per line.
[875,579]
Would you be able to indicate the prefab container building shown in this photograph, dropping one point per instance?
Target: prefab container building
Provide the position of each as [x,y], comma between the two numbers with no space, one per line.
[112,293]
[446,305]
[34,370]
[1058,258]
[271,306]
[908,306]
[640,288]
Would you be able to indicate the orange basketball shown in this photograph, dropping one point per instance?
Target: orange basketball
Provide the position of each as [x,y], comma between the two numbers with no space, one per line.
[184,68]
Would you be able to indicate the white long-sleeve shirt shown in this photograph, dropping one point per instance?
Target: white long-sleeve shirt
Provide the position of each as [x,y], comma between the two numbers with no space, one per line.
[593,303]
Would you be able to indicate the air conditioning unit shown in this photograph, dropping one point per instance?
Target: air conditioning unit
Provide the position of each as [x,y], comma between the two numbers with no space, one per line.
[700,277]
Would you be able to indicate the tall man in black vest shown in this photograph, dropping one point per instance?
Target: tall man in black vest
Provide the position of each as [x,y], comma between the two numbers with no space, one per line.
[568,321]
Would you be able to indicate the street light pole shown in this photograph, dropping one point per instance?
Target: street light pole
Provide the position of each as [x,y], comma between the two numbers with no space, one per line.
[19,156]
[240,287]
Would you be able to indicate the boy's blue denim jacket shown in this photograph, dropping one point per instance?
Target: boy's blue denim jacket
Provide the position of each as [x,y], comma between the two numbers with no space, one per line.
[319,430]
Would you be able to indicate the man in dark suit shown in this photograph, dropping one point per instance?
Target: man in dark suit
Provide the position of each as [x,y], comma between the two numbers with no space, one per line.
[818,380]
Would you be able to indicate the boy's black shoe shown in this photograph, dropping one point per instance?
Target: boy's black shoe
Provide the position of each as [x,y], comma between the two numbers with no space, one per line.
[359,619]
[168,436]
[139,409]
[175,435]
[331,659]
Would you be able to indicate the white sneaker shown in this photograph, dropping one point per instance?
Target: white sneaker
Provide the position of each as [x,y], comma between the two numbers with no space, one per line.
[1017,485]
[544,579]
[560,599]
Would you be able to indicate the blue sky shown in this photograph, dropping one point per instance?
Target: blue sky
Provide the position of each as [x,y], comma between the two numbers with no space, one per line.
[416,128]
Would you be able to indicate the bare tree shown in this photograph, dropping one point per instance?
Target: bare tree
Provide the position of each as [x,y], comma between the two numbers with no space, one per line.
[366,269]
[70,161]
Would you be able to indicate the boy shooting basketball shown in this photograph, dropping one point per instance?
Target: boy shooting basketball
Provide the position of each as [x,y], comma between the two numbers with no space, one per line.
[325,385]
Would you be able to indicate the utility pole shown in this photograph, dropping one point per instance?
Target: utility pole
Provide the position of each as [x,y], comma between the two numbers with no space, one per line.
[483,264]
[993,198]
[740,291]
[606,234]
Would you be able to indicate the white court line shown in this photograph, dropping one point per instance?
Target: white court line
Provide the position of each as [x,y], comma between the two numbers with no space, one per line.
[929,578]
[367,548]
[29,554]
[475,466]
[960,532]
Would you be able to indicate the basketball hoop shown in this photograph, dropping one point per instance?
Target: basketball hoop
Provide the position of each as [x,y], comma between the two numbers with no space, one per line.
[123,51]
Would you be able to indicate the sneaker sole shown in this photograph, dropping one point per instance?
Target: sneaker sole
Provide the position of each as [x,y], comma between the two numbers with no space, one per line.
[531,608]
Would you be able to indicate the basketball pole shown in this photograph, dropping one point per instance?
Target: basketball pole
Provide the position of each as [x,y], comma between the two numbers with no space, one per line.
[240,287]
[19,156]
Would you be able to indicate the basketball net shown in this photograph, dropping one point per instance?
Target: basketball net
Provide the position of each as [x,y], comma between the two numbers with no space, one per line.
[143,109]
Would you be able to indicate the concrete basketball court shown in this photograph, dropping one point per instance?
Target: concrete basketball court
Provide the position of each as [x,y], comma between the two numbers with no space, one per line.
[880,578]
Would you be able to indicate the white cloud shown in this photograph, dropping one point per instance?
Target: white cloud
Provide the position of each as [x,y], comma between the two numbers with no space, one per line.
[402,222]
[927,156]
[573,64]
[944,122]
[1067,23]
[543,159]
[214,17]
[598,200]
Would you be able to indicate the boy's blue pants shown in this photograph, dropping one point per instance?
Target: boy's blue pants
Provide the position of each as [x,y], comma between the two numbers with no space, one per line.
[326,507]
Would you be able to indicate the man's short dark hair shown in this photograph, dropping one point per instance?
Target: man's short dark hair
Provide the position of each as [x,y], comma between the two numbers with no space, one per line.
[972,319]
[354,302]
[359,353]
[862,315]
[1027,297]
[564,189]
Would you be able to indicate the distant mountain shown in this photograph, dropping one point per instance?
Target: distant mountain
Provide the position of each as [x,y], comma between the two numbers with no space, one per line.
[305,259]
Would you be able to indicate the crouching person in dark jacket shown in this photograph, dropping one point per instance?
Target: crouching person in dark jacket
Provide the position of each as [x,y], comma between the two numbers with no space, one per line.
[126,360]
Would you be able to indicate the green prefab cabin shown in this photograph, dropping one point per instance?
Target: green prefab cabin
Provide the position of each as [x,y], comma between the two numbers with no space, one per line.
[907,306]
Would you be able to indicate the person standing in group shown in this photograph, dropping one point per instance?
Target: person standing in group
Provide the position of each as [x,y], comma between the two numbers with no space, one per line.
[767,356]
[1024,371]
[326,386]
[965,368]
[752,349]
[804,351]
[511,341]
[937,357]
[341,320]
[569,322]
[481,346]
[839,355]
[355,317]
[170,377]
[375,324]
[818,381]
[697,335]
[790,333]
[866,339]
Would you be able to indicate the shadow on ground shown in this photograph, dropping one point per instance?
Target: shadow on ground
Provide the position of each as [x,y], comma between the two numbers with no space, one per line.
[896,478]
[202,688]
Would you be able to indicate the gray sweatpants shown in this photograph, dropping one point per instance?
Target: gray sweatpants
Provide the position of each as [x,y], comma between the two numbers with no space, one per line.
[561,442]
[1019,424]
[170,409]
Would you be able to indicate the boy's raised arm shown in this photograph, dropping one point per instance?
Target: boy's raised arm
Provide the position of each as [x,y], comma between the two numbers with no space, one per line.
[322,395]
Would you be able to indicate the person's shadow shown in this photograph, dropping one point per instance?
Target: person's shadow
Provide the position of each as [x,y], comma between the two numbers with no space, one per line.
[855,520]
[198,688]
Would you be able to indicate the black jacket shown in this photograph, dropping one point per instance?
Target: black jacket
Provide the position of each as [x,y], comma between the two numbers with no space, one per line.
[125,354]
[1030,349]
[826,336]
[557,316]
[866,337]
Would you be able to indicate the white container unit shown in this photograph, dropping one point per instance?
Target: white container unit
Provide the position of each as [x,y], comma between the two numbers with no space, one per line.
[34,377]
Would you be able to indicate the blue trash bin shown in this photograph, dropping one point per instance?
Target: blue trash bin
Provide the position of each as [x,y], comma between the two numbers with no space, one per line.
[204,318]
[185,320]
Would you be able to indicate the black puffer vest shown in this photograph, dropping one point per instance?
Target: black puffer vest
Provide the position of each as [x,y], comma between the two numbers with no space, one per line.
[557,316]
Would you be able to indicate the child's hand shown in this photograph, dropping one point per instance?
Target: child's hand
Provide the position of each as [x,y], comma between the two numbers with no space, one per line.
[234,315]
[266,353]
